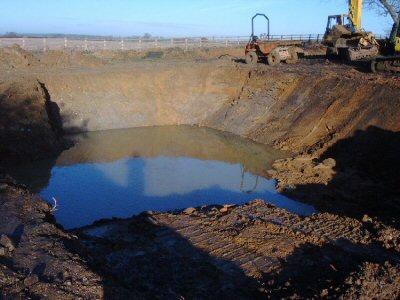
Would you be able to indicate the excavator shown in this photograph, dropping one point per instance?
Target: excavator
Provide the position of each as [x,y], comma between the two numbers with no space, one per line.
[389,59]
[344,37]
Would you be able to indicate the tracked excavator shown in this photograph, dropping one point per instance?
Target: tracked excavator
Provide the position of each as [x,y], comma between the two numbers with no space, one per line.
[344,36]
[389,58]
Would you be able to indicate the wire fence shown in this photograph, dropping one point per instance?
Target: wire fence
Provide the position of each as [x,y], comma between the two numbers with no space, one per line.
[96,44]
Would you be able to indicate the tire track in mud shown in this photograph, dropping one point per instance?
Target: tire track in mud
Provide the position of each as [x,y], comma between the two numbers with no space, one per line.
[257,242]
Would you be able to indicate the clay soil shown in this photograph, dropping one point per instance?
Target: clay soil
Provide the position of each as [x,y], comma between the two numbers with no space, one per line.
[341,123]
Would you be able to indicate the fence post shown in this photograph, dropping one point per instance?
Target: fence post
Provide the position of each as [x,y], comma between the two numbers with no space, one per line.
[122,44]
[65,43]
[86,47]
[44,45]
[186,44]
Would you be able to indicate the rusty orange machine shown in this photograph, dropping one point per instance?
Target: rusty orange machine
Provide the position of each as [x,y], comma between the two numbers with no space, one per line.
[261,49]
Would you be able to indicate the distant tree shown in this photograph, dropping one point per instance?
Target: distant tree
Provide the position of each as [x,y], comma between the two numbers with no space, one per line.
[388,7]
[147,35]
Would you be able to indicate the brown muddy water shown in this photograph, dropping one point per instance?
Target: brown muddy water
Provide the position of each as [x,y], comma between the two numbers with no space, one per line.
[120,173]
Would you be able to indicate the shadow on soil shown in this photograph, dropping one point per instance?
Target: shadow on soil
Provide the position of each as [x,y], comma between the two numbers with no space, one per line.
[24,132]
[158,263]
[367,177]
[31,128]
[313,272]
[309,271]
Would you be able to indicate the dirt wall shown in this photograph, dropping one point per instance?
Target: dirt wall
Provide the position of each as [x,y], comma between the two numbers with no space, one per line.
[306,111]
[143,94]
[296,108]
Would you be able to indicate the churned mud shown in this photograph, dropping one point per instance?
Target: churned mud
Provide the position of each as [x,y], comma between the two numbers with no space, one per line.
[35,256]
[341,124]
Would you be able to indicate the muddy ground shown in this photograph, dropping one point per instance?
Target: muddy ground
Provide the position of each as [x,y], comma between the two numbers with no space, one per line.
[341,123]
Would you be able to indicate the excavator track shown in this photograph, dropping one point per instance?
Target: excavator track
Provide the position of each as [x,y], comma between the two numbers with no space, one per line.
[389,64]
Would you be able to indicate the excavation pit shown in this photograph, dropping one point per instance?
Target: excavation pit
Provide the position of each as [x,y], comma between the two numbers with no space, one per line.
[342,126]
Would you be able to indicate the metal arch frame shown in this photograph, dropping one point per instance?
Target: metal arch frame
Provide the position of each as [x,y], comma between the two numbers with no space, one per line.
[252,23]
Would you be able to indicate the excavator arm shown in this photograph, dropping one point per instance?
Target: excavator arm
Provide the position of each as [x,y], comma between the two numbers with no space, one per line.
[355,13]
[397,40]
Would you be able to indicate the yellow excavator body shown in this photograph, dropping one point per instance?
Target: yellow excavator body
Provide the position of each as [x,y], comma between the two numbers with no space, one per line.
[397,46]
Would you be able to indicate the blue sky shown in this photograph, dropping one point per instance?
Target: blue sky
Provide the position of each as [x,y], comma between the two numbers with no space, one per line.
[174,18]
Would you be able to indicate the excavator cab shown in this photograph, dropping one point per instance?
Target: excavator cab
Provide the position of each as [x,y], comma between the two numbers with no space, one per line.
[339,20]
[337,26]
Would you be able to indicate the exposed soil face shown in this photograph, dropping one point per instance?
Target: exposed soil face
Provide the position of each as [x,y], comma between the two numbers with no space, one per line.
[30,123]
[342,124]
[308,108]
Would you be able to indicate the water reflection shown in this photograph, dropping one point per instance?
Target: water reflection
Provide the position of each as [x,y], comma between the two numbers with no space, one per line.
[124,172]
[166,176]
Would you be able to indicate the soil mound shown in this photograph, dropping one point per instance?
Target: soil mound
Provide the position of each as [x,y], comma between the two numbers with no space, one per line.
[16,57]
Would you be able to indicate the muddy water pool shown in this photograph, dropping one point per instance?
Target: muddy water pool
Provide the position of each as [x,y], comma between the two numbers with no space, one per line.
[120,173]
